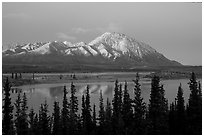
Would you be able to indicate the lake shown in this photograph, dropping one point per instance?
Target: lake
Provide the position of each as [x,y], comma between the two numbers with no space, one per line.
[38,93]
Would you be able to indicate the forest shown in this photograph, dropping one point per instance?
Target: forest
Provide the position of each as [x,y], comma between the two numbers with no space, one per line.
[120,116]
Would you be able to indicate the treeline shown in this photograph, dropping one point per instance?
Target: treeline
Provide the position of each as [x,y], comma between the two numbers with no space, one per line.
[122,115]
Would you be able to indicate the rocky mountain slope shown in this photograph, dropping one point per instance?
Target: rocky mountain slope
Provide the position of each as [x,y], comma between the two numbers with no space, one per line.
[107,49]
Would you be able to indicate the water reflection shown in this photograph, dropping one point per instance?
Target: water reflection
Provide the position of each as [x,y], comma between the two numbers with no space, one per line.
[38,93]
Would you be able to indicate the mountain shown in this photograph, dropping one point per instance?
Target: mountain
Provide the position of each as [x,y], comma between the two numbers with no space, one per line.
[109,49]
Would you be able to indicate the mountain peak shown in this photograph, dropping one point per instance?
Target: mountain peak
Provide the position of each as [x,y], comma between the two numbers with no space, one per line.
[107,47]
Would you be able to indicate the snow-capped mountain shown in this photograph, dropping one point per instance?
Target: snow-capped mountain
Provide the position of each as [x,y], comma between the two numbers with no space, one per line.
[107,48]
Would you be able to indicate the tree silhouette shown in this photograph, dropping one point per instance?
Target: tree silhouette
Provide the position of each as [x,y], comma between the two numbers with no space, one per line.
[180,113]
[120,98]
[7,113]
[108,118]
[139,108]
[88,117]
[116,111]
[126,116]
[65,113]
[127,112]
[83,116]
[158,109]
[18,116]
[94,117]
[74,120]
[24,115]
[56,119]
[172,119]
[44,119]
[101,116]
[31,116]
[194,108]
[36,125]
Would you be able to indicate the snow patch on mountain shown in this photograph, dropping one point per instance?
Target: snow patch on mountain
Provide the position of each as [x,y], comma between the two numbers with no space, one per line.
[44,49]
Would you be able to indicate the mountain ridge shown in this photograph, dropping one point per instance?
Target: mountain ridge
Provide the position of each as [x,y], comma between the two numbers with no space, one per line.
[109,48]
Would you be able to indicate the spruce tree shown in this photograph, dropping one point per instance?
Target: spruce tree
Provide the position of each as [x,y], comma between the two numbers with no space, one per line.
[108,118]
[139,108]
[73,111]
[194,108]
[83,116]
[94,120]
[94,116]
[18,116]
[7,113]
[65,114]
[24,115]
[158,109]
[180,113]
[88,112]
[127,112]
[101,116]
[31,116]
[56,119]
[36,130]
[172,119]
[116,111]
[120,98]
[44,119]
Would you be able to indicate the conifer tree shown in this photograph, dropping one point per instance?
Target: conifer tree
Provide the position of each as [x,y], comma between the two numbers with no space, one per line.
[194,108]
[139,108]
[172,119]
[158,108]
[127,112]
[24,115]
[73,111]
[108,118]
[94,116]
[7,121]
[116,111]
[65,113]
[83,117]
[199,91]
[88,111]
[180,112]
[101,116]
[18,116]
[120,98]
[31,116]
[36,125]
[44,119]
[101,111]
[94,119]
[56,119]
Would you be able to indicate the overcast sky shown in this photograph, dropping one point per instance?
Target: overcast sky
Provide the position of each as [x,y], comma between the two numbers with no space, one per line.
[173,29]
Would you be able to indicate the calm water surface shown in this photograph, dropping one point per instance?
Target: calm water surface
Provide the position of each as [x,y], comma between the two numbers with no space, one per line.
[37,94]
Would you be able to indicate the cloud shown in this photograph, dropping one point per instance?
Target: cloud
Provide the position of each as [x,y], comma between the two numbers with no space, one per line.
[64,36]
[81,30]
[112,27]
[21,16]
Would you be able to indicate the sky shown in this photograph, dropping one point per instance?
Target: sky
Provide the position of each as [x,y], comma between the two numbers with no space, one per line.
[173,29]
